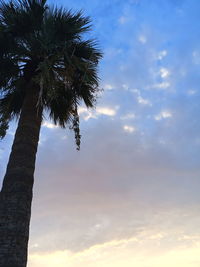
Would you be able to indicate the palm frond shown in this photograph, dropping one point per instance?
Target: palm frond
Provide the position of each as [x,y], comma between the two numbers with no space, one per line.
[44,46]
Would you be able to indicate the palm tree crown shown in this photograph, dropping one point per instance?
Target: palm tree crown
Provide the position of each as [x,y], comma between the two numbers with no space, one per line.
[44,47]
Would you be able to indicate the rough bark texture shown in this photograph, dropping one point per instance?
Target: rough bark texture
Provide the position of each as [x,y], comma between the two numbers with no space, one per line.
[16,193]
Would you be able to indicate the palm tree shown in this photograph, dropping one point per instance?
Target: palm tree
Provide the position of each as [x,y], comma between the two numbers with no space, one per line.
[46,66]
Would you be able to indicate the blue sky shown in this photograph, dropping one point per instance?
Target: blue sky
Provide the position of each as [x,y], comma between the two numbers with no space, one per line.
[133,189]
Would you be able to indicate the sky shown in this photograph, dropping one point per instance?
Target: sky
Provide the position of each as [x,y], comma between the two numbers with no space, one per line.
[130,196]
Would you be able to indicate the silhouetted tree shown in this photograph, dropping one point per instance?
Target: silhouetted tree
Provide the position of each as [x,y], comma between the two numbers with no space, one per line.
[45,66]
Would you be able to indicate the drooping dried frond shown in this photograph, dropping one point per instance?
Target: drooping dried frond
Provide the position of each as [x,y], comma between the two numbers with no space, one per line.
[3,127]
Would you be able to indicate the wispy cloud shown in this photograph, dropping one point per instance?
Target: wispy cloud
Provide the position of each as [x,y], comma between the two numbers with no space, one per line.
[163,115]
[49,125]
[129,128]
[95,113]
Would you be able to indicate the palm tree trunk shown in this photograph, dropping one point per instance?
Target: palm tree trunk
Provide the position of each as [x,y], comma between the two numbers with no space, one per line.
[16,193]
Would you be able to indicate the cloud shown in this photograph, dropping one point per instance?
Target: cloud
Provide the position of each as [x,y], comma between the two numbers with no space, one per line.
[95,113]
[142,39]
[108,86]
[49,125]
[163,115]
[162,54]
[143,101]
[164,72]
[162,85]
[140,99]
[128,128]
[86,113]
[128,116]
[107,111]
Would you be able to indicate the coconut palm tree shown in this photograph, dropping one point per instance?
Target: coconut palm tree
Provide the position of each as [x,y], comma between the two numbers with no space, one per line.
[46,67]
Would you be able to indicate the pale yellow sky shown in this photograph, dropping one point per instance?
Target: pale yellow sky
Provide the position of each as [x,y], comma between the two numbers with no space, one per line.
[124,253]
[170,240]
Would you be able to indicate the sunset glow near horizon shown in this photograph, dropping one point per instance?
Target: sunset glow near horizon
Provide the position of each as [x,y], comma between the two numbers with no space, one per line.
[131,196]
